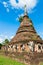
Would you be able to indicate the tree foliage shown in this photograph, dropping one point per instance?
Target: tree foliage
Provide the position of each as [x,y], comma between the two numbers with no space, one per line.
[20,19]
[6,41]
[0,45]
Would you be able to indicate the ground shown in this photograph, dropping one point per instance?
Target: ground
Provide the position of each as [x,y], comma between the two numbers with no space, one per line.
[8,61]
[5,60]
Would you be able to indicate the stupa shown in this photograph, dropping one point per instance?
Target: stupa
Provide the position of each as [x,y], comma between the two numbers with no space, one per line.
[26,41]
[26,38]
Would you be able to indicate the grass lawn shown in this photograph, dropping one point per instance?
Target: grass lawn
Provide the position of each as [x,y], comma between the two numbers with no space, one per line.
[8,61]
[41,63]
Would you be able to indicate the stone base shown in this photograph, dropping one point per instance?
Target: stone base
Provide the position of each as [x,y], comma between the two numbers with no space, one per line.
[27,58]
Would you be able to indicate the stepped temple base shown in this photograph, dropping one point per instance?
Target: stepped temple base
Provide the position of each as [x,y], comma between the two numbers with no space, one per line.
[27,58]
[26,46]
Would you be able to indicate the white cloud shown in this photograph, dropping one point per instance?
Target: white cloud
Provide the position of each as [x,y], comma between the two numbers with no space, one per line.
[11,37]
[19,16]
[1,40]
[17,19]
[3,37]
[7,9]
[5,4]
[21,3]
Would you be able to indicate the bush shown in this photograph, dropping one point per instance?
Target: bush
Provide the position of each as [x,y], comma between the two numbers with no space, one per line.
[20,19]
[0,45]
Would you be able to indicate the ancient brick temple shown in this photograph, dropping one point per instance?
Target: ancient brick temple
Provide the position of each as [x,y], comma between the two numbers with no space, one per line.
[26,40]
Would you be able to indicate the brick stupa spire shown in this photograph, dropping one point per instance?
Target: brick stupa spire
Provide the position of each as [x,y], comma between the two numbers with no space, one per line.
[26,30]
[26,45]
[26,38]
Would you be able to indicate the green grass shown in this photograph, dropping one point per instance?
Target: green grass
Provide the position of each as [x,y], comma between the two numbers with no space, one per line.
[8,61]
[41,63]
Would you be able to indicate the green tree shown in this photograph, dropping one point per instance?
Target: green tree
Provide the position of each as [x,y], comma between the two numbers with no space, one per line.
[6,41]
[20,19]
[0,45]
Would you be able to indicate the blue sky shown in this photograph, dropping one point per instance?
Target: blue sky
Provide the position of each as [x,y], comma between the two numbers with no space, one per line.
[10,11]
